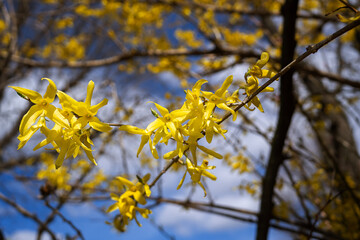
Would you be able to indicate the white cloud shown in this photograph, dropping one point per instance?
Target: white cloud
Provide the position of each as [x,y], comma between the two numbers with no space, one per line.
[30,235]
[188,222]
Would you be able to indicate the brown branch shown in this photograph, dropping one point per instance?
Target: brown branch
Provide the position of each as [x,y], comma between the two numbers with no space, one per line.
[330,199]
[231,10]
[215,209]
[174,160]
[330,76]
[78,232]
[28,214]
[130,55]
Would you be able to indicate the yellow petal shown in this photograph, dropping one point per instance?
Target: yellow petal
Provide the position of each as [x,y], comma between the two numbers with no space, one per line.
[132,129]
[172,127]
[264,58]
[268,89]
[112,208]
[25,138]
[66,101]
[196,88]
[139,197]
[80,123]
[144,140]
[207,94]
[34,96]
[154,125]
[267,73]
[202,186]
[209,110]
[55,115]
[209,135]
[62,154]
[147,190]
[209,175]
[225,107]
[99,126]
[193,152]
[210,152]
[125,182]
[94,109]
[257,103]
[170,155]
[163,111]
[30,118]
[44,142]
[50,91]
[158,135]
[179,114]
[181,181]
[153,150]
[90,89]
[226,84]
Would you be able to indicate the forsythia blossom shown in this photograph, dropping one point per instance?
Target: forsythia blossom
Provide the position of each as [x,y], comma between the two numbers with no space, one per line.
[127,202]
[196,172]
[69,134]
[252,80]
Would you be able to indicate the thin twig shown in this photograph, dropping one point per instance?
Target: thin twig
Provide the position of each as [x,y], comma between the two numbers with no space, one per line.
[320,211]
[28,214]
[78,232]
[310,50]
[174,160]
[214,209]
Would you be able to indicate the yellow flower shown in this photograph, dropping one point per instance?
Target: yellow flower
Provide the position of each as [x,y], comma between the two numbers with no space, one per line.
[67,142]
[57,178]
[250,88]
[25,138]
[196,172]
[252,81]
[194,132]
[193,101]
[42,108]
[127,202]
[218,99]
[144,138]
[137,190]
[166,126]
[257,71]
[84,110]
[169,121]
[212,127]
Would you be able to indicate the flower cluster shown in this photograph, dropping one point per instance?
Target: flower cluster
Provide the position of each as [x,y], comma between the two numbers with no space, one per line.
[70,134]
[195,119]
[128,201]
